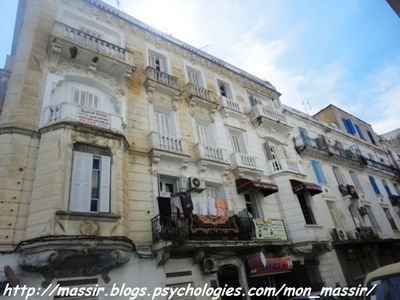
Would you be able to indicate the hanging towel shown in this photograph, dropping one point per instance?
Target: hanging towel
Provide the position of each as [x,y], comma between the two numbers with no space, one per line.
[221,207]
[212,209]
[203,206]
[176,206]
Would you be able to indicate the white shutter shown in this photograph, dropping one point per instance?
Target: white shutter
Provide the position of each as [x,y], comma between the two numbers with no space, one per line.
[105,184]
[81,182]
[203,134]
[152,61]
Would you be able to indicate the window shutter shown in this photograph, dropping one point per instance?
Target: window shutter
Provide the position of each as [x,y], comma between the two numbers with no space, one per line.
[374,185]
[81,182]
[105,184]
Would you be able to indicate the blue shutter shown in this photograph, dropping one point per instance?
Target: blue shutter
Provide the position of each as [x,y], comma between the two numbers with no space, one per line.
[346,125]
[304,136]
[388,191]
[359,131]
[318,171]
[351,127]
[374,185]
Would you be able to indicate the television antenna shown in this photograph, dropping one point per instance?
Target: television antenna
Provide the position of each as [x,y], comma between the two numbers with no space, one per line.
[307,107]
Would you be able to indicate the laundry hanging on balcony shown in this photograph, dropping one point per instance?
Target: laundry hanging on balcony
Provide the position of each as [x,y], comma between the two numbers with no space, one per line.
[243,185]
[300,187]
[178,203]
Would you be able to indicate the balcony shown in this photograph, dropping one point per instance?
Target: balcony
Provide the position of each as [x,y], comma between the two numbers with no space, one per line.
[71,112]
[188,232]
[168,147]
[279,166]
[161,82]
[318,147]
[197,95]
[89,50]
[244,164]
[270,118]
[211,156]
[367,162]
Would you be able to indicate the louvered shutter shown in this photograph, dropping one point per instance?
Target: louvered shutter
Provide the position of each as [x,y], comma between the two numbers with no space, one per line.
[105,184]
[81,182]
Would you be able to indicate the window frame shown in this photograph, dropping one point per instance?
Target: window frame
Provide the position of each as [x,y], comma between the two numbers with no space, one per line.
[305,204]
[374,185]
[81,184]
[157,55]
[390,218]
[319,173]
[356,181]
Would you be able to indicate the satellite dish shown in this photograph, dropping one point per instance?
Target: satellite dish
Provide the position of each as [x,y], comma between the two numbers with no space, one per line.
[11,276]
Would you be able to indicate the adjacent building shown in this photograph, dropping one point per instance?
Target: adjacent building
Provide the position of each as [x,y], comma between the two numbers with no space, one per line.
[128,156]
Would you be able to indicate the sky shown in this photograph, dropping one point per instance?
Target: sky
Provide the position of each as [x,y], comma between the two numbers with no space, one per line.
[344,52]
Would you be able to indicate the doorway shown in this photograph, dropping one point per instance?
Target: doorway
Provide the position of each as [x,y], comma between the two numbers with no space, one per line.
[229,276]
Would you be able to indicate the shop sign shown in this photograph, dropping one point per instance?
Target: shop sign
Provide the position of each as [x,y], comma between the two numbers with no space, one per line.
[95,118]
[270,229]
[259,265]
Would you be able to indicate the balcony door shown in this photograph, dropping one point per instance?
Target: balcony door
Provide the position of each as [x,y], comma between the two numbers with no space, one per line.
[163,123]
[275,151]
[253,205]
[157,61]
[194,76]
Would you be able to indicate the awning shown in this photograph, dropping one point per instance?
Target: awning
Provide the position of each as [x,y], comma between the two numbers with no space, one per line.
[243,184]
[300,186]
[259,265]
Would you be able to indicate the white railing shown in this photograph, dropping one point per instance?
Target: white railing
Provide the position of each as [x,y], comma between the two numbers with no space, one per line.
[168,143]
[268,112]
[243,160]
[229,103]
[68,111]
[89,41]
[276,166]
[162,77]
[199,92]
[211,152]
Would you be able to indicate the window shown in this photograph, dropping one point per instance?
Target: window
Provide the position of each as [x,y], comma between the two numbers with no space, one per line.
[387,189]
[224,89]
[304,136]
[371,156]
[318,172]
[358,129]
[371,137]
[252,206]
[162,123]
[157,61]
[335,215]
[90,182]
[306,209]
[167,186]
[348,124]
[356,182]
[374,185]
[390,218]
[372,218]
[85,98]
[339,176]
[194,76]
[235,140]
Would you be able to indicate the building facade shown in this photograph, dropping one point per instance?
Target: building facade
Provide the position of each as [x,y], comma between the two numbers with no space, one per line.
[128,156]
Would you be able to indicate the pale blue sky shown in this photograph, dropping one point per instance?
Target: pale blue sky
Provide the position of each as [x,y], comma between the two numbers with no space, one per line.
[344,52]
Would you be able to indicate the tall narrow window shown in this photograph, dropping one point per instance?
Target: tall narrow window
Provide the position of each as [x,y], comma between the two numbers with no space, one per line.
[339,176]
[318,172]
[387,189]
[235,140]
[90,182]
[348,124]
[356,182]
[162,123]
[85,98]
[194,76]
[390,218]
[372,218]
[224,89]
[304,136]
[306,209]
[202,132]
[374,185]
[371,137]
[359,131]
[157,61]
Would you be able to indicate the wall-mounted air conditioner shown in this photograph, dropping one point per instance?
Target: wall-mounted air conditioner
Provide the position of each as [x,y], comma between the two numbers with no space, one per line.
[196,184]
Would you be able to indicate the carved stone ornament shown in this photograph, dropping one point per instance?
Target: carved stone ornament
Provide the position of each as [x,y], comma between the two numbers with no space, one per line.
[75,256]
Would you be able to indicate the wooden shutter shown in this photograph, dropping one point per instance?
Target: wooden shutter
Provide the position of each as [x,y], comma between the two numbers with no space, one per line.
[105,176]
[81,182]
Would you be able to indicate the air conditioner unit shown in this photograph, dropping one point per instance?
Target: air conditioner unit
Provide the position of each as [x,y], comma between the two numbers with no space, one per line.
[196,184]
[210,265]
[339,234]
[350,235]
[357,235]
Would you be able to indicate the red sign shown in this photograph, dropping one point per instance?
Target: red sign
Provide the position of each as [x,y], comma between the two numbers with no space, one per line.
[260,265]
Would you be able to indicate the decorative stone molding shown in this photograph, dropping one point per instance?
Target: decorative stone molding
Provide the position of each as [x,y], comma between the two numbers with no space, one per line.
[75,256]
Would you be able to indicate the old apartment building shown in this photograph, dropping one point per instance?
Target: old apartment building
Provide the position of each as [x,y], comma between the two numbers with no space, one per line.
[128,156]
